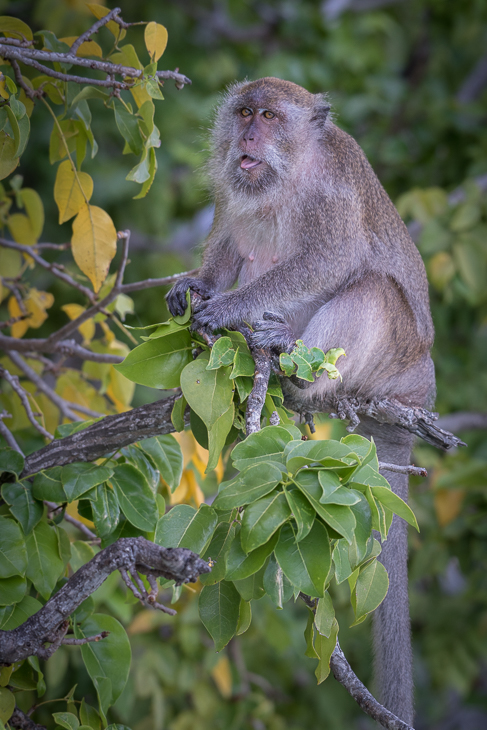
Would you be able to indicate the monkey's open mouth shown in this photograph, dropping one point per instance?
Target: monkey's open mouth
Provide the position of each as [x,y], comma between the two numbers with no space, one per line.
[247,163]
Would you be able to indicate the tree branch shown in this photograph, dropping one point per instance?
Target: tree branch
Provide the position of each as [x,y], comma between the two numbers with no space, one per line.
[418,471]
[17,388]
[45,626]
[344,674]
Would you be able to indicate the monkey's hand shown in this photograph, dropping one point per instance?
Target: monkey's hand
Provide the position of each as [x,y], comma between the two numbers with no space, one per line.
[215,313]
[176,298]
[273,333]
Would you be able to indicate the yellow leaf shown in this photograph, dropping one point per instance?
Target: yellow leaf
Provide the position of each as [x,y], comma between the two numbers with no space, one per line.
[441,270]
[74,388]
[28,103]
[140,94]
[71,191]
[19,328]
[448,503]
[8,162]
[222,676]
[21,229]
[155,37]
[35,305]
[99,11]
[3,89]
[188,490]
[87,329]
[34,209]
[127,56]
[120,390]
[94,243]
[88,48]
[15,28]
[57,145]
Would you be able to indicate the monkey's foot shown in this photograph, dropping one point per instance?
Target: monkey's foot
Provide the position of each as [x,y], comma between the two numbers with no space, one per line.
[273,333]
[346,410]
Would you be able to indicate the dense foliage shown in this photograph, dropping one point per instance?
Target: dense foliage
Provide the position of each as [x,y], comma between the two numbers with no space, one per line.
[398,81]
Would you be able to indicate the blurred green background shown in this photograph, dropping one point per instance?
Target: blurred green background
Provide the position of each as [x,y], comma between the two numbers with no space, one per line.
[409,81]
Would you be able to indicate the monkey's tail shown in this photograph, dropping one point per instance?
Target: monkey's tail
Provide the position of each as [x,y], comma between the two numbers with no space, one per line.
[391,622]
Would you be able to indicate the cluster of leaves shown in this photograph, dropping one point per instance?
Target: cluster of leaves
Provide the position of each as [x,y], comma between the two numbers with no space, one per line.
[297,514]
[94,237]
[120,497]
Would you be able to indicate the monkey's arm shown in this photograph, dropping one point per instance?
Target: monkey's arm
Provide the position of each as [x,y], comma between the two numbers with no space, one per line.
[284,289]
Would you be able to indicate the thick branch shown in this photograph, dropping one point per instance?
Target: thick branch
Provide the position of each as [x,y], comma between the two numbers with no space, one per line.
[107,435]
[344,674]
[256,399]
[179,564]
[387,410]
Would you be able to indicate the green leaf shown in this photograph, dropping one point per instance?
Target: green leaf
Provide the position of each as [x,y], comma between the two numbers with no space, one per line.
[13,616]
[340,518]
[219,609]
[363,531]
[262,519]
[306,563]
[11,461]
[186,317]
[167,456]
[267,444]
[7,704]
[22,505]
[106,510]
[302,512]
[252,588]
[309,637]
[336,495]
[44,565]
[324,648]
[81,477]
[128,127]
[145,464]
[240,565]
[12,590]
[103,687]
[135,497]
[13,554]
[177,413]
[158,363]
[222,354]
[66,720]
[109,658]
[217,436]
[341,560]
[327,453]
[183,526]
[277,586]
[217,552]
[208,392]
[325,615]
[370,590]
[391,500]
[245,617]
[89,716]
[254,482]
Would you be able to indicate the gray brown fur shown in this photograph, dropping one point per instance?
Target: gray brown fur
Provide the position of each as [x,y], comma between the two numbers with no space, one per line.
[310,233]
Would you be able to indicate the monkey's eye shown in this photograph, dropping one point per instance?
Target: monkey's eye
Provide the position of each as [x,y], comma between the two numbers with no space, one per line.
[246,112]
[269,115]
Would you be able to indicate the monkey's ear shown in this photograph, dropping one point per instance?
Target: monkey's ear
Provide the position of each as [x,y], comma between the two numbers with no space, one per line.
[320,113]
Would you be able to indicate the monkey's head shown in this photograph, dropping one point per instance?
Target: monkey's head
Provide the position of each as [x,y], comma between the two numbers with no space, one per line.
[262,130]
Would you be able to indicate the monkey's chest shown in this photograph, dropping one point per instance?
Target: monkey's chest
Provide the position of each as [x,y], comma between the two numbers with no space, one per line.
[260,247]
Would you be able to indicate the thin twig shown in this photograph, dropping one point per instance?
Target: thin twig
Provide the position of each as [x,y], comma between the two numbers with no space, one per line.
[33,57]
[150,283]
[30,251]
[43,387]
[15,385]
[7,435]
[94,29]
[418,471]
[71,641]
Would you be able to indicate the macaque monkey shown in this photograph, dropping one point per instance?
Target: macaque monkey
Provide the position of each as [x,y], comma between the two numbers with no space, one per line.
[319,252]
